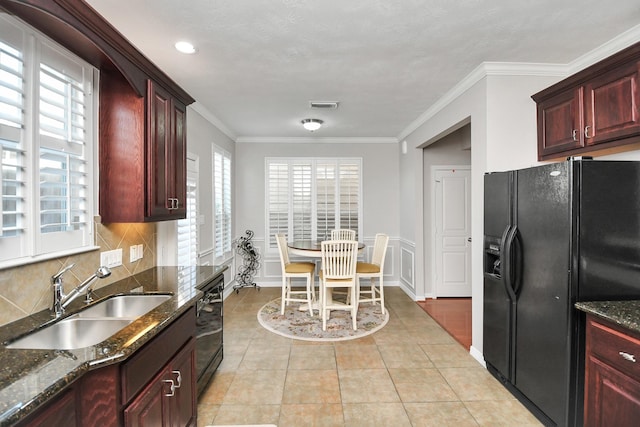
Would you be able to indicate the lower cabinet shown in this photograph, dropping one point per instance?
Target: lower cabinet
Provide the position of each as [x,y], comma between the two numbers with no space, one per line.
[155,386]
[169,398]
[612,369]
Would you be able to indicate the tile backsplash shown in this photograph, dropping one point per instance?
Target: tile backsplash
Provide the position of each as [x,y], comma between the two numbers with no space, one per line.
[27,289]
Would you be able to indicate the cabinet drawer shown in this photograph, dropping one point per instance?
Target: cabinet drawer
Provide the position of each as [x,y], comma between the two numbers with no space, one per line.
[617,348]
[151,358]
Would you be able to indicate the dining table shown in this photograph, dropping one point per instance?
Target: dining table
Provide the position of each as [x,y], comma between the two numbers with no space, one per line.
[312,249]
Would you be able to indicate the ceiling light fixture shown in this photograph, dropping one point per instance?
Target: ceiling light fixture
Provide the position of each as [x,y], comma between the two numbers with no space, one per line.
[185,47]
[312,124]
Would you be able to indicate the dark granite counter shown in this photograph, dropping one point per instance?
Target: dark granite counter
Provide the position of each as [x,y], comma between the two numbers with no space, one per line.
[623,313]
[28,378]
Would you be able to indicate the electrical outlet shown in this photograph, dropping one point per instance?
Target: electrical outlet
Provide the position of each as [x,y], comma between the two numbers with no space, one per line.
[133,253]
[140,251]
[111,258]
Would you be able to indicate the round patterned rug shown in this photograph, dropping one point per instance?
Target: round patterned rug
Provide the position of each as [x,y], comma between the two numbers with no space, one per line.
[300,325]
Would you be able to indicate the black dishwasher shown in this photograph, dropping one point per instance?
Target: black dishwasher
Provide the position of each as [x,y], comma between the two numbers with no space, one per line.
[209,331]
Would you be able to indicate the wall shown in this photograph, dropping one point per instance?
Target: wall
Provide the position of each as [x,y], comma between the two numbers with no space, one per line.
[451,150]
[27,289]
[380,193]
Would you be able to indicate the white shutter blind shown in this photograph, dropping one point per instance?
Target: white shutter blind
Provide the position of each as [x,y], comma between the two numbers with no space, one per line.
[326,198]
[63,167]
[278,200]
[222,202]
[307,198]
[11,152]
[301,201]
[349,179]
[188,227]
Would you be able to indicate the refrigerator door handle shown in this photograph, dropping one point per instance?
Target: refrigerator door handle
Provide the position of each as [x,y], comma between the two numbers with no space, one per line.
[516,253]
[508,262]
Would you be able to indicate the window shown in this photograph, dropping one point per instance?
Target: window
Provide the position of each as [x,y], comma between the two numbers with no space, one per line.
[222,202]
[307,198]
[187,229]
[46,146]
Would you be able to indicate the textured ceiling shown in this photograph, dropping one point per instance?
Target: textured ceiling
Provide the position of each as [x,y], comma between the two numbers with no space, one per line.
[260,62]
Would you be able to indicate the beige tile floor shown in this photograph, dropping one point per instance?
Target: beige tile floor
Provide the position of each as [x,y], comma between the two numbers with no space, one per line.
[410,373]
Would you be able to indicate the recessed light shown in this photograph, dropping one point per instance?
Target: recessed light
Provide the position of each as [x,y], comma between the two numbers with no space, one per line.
[185,47]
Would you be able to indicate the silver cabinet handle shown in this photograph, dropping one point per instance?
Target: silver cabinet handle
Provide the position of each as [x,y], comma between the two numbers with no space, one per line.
[586,132]
[628,357]
[172,388]
[574,134]
[178,378]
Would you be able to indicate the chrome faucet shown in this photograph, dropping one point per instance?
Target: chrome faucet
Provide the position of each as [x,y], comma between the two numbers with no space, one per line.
[61,301]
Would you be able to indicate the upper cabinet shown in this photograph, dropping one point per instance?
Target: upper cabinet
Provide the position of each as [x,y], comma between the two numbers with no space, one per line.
[142,118]
[595,109]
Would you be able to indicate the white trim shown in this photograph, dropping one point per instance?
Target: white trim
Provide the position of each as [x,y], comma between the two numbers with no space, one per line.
[413,272]
[309,140]
[605,50]
[204,112]
[477,354]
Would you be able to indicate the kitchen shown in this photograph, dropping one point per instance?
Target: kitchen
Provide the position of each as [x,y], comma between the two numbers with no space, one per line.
[512,113]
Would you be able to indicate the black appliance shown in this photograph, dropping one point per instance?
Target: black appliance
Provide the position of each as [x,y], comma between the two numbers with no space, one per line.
[555,234]
[209,331]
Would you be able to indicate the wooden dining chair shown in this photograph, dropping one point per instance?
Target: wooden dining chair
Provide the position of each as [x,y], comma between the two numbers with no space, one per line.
[343,234]
[292,270]
[373,270]
[339,258]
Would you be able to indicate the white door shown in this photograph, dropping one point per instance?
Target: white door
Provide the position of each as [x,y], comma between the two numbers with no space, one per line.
[452,224]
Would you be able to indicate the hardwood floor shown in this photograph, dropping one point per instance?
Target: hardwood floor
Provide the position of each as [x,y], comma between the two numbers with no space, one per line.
[453,314]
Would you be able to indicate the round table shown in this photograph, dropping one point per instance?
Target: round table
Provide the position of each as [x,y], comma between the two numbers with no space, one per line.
[310,248]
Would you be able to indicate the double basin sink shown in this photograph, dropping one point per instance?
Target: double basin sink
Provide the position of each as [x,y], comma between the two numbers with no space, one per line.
[91,325]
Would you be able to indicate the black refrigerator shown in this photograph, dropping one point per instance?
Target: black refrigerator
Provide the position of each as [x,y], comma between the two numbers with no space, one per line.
[554,235]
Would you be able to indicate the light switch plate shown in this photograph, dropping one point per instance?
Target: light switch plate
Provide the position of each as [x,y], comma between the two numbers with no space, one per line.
[111,258]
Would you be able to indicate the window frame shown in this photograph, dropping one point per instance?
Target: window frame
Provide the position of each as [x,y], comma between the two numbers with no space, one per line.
[314,163]
[33,245]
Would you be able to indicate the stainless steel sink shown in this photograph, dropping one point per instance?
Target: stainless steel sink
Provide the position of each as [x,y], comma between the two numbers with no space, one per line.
[91,325]
[124,306]
[71,333]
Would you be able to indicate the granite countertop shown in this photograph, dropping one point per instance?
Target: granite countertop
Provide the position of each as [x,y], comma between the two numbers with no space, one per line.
[623,313]
[28,378]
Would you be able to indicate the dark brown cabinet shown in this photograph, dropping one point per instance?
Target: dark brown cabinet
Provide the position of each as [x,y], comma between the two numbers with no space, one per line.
[142,153]
[612,369]
[169,398]
[166,155]
[595,109]
[60,411]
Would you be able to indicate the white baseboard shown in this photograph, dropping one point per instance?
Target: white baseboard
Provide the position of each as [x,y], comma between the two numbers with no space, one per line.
[477,354]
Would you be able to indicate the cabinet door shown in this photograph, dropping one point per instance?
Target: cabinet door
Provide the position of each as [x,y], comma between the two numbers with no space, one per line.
[178,158]
[612,103]
[560,123]
[150,407]
[59,412]
[182,371]
[158,135]
[612,399]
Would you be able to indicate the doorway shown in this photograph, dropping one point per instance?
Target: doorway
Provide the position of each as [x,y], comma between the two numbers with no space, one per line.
[451,231]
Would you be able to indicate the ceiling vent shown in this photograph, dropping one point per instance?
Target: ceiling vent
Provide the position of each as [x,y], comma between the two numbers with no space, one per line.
[323,104]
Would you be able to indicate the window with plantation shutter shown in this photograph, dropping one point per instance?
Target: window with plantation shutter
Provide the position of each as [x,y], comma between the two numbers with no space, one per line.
[222,203]
[187,233]
[46,146]
[307,198]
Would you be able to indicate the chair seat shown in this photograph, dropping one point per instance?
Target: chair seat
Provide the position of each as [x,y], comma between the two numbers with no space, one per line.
[367,268]
[299,267]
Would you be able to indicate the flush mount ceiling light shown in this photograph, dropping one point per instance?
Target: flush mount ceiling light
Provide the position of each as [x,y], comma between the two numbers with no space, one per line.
[185,47]
[312,124]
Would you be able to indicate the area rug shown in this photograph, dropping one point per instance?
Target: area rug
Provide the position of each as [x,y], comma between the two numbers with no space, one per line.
[300,325]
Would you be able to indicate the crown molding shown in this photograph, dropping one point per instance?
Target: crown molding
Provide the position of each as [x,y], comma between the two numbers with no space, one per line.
[211,118]
[480,72]
[314,140]
[605,50]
